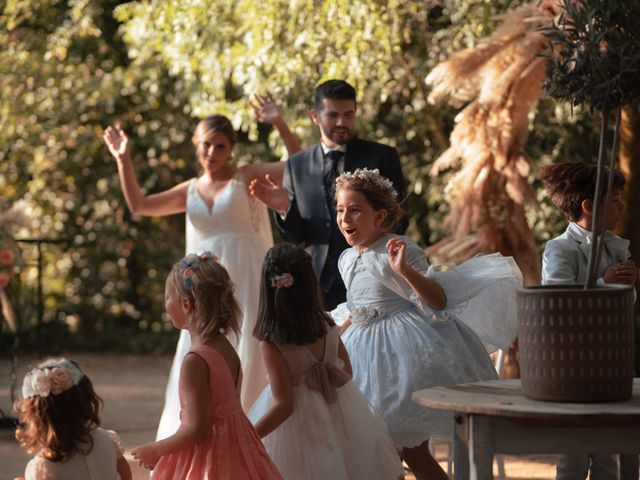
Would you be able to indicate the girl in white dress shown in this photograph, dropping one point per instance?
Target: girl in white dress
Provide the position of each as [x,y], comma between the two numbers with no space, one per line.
[60,423]
[403,329]
[221,217]
[314,422]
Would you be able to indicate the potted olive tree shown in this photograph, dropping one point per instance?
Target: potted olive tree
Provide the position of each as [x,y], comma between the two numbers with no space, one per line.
[576,342]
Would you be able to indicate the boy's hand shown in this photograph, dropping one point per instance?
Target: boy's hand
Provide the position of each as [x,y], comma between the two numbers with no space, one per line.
[625,272]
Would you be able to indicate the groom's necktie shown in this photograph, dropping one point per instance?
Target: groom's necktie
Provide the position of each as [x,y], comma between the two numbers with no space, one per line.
[334,157]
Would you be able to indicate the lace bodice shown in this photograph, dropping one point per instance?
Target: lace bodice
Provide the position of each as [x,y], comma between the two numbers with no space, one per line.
[234,212]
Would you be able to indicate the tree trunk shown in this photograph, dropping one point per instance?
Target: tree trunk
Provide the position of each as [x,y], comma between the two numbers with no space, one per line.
[629,227]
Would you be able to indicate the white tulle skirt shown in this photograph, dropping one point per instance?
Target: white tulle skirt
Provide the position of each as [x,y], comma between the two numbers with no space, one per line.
[405,352]
[344,440]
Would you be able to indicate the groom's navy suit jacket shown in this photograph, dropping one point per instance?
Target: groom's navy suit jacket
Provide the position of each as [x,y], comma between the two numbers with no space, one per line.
[310,221]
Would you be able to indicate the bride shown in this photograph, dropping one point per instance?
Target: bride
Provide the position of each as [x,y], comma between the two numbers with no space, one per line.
[221,217]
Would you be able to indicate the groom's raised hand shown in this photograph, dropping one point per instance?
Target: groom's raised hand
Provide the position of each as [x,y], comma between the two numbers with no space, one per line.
[270,193]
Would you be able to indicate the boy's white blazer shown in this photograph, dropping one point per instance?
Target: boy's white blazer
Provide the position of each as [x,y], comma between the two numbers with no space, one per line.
[566,257]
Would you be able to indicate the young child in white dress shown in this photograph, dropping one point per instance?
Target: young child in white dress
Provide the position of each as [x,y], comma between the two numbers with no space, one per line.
[313,420]
[59,417]
[406,324]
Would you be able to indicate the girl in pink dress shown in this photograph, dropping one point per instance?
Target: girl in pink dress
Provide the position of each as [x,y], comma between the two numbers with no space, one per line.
[314,422]
[215,439]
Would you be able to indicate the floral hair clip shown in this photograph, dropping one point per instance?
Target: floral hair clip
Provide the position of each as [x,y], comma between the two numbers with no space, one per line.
[284,280]
[52,377]
[190,263]
[369,177]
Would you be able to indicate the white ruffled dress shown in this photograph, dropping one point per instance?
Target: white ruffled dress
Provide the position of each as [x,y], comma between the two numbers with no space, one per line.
[332,432]
[398,345]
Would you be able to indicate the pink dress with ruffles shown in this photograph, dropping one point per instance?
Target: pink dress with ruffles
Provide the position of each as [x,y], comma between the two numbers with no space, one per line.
[234,450]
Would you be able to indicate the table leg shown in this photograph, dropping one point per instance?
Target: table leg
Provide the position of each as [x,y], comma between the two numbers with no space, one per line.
[481,447]
[629,467]
[460,459]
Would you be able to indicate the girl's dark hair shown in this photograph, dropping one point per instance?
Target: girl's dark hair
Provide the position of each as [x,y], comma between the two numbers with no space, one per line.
[214,124]
[59,425]
[211,292]
[293,314]
[569,184]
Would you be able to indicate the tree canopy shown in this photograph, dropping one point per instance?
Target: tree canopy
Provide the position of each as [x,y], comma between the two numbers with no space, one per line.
[70,68]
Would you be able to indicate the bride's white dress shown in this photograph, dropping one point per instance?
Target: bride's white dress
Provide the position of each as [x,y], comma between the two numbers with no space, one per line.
[238,232]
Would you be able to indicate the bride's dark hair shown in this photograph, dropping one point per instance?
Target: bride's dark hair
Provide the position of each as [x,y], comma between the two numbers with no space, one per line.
[291,308]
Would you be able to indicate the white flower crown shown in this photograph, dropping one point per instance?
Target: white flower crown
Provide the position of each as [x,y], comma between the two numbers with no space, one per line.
[370,178]
[52,377]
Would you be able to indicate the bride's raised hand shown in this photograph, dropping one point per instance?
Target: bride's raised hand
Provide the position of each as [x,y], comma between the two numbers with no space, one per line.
[396,249]
[117,141]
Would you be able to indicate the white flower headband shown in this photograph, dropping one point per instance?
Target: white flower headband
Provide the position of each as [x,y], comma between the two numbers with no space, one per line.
[52,377]
[371,177]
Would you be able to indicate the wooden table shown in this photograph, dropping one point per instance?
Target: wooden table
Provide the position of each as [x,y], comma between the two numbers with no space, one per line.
[495,417]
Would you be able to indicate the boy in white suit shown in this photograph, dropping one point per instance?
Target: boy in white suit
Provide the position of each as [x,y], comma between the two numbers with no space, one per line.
[572,187]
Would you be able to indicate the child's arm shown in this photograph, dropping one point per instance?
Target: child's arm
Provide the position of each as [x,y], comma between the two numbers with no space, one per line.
[281,389]
[344,356]
[194,375]
[123,468]
[426,288]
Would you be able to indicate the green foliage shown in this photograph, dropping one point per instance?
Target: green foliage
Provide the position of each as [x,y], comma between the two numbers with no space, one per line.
[596,57]
[71,68]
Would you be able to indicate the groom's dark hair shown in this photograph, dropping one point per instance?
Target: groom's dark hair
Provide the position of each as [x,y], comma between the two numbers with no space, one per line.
[333,90]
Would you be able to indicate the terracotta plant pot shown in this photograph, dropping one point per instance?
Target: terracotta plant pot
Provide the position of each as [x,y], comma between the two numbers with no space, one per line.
[576,345]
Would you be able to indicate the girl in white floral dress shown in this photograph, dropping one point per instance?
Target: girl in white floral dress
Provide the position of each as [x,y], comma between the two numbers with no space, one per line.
[405,325]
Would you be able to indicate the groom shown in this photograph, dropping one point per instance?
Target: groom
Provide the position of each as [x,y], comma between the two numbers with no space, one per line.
[305,205]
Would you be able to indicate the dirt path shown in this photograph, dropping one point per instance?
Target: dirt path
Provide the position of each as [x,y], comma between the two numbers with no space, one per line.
[132,387]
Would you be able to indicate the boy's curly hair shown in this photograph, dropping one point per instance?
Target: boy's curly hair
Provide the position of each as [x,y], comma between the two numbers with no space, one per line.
[569,184]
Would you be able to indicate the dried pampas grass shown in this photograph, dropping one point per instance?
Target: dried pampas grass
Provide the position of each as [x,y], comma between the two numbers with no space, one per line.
[502,79]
